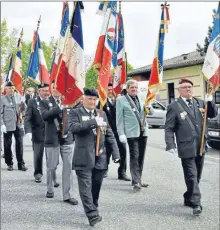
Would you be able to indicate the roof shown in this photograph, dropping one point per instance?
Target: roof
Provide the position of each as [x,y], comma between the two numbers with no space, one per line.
[184,60]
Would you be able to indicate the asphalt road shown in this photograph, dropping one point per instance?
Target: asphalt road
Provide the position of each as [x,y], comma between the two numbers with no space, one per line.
[159,207]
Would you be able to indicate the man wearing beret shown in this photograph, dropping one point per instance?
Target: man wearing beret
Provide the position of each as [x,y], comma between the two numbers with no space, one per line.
[34,129]
[90,168]
[184,120]
[110,110]
[56,145]
[11,124]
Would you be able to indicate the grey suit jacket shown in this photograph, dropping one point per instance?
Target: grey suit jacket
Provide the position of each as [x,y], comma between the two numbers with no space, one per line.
[188,138]
[126,120]
[9,113]
[85,141]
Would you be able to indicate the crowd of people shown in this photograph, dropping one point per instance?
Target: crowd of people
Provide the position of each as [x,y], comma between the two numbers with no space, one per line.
[60,130]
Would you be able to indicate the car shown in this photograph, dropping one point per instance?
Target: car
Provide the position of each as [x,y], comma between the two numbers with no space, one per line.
[158,118]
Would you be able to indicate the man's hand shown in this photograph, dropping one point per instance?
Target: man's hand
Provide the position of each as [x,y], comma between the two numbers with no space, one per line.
[208,97]
[123,139]
[29,135]
[172,151]
[99,121]
[3,129]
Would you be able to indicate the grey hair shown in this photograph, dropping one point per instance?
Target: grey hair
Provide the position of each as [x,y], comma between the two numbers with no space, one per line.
[130,82]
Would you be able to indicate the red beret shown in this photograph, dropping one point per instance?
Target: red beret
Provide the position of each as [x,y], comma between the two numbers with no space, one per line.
[185,80]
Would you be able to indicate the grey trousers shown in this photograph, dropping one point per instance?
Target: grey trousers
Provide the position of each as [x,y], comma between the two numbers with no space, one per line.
[38,148]
[66,152]
[52,158]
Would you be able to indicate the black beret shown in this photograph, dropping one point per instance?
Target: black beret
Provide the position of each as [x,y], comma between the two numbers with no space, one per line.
[185,80]
[90,92]
[42,85]
[9,84]
[110,84]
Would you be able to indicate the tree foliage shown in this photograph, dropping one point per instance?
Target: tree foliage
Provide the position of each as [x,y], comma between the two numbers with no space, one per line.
[203,49]
[9,46]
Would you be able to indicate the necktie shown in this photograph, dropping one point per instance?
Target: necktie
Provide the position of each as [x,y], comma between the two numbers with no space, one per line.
[90,114]
[58,101]
[190,105]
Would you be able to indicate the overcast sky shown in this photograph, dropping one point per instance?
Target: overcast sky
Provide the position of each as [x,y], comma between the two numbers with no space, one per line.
[189,25]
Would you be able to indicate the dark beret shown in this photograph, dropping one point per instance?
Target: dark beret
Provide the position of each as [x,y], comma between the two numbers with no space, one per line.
[42,85]
[9,84]
[90,92]
[110,84]
[185,80]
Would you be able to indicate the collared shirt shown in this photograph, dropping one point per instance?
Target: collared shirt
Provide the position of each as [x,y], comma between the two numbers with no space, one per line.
[88,111]
[184,99]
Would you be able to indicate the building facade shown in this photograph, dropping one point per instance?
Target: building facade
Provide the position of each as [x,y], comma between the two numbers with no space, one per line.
[186,65]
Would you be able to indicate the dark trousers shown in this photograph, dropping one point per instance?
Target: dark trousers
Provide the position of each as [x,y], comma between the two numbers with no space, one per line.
[137,147]
[18,134]
[90,182]
[192,169]
[38,148]
[123,159]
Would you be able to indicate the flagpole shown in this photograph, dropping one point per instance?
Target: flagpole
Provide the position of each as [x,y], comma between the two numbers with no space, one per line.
[204,121]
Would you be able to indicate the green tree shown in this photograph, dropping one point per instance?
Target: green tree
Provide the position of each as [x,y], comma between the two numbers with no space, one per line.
[203,49]
[91,78]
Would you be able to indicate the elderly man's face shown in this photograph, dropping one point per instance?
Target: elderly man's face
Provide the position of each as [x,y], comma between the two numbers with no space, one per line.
[9,90]
[89,102]
[110,91]
[55,92]
[186,90]
[44,92]
[30,91]
[133,90]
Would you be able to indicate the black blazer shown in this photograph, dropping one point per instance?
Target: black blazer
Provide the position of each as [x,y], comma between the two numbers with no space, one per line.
[85,141]
[110,110]
[188,140]
[33,122]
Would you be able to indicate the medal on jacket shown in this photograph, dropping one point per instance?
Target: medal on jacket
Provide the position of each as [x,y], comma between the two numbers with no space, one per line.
[134,109]
[50,105]
[183,115]
[108,108]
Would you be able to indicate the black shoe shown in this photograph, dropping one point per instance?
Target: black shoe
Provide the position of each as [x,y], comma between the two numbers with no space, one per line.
[71,201]
[10,167]
[188,204]
[22,168]
[37,180]
[137,188]
[106,174]
[50,195]
[124,177]
[143,185]
[56,185]
[94,220]
[197,210]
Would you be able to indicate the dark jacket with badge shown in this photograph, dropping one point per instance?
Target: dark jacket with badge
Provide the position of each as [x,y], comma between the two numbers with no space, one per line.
[84,130]
[33,122]
[187,126]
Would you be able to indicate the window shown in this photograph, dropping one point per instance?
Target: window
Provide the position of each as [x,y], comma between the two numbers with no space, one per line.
[157,106]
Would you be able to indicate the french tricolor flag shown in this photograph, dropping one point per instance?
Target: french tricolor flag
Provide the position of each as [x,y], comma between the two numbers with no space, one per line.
[119,78]
[59,51]
[102,7]
[211,67]
[37,67]
[70,80]
[105,48]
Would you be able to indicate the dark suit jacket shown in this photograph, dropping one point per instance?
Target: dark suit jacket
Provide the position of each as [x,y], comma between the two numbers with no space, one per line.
[33,122]
[110,110]
[51,114]
[188,139]
[85,141]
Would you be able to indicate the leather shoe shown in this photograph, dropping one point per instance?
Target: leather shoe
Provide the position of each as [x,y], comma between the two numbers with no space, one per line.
[124,177]
[22,168]
[94,220]
[56,185]
[137,188]
[143,185]
[50,195]
[10,168]
[197,210]
[71,201]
